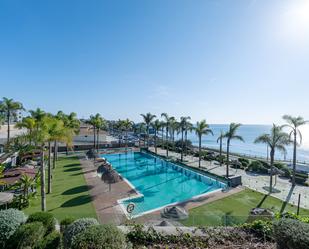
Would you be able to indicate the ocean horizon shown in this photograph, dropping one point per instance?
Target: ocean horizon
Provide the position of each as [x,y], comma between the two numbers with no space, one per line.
[249,132]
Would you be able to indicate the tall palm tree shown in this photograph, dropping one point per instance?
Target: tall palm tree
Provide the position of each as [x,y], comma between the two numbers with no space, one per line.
[220,138]
[41,136]
[183,124]
[174,129]
[56,131]
[189,128]
[140,128]
[156,126]
[276,139]
[9,108]
[94,121]
[202,128]
[148,119]
[168,120]
[230,135]
[294,123]
[126,127]
[37,114]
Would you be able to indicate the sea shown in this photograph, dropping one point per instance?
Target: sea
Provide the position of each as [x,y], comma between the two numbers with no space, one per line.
[249,134]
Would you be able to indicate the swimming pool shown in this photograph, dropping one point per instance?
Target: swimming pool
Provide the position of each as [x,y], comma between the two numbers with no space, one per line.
[158,182]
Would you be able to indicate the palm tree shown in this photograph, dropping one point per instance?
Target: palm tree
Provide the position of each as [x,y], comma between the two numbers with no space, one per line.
[9,108]
[189,127]
[56,132]
[37,115]
[126,126]
[29,123]
[167,124]
[202,128]
[94,121]
[140,128]
[148,119]
[183,128]
[41,136]
[174,128]
[294,123]
[220,138]
[230,135]
[26,182]
[276,139]
[156,125]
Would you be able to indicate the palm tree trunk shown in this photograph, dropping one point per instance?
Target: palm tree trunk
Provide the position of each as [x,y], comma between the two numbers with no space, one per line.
[294,158]
[182,148]
[94,136]
[221,151]
[54,157]
[43,196]
[199,150]
[272,158]
[166,141]
[126,140]
[8,131]
[186,138]
[56,150]
[49,177]
[147,136]
[156,141]
[162,137]
[98,136]
[228,159]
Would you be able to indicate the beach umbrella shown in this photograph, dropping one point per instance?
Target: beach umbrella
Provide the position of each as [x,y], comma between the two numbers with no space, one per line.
[110,176]
[174,212]
[6,198]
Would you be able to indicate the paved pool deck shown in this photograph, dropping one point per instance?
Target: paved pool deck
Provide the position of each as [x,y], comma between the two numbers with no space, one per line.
[253,181]
[105,201]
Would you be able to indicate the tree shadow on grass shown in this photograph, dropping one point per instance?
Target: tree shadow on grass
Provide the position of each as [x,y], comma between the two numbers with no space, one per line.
[287,199]
[72,169]
[71,165]
[77,201]
[76,190]
[262,201]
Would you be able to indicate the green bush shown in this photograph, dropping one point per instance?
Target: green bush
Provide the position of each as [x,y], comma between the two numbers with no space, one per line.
[244,162]
[47,219]
[291,234]
[77,227]
[260,228]
[27,236]
[100,237]
[52,241]
[265,164]
[66,222]
[257,166]
[10,220]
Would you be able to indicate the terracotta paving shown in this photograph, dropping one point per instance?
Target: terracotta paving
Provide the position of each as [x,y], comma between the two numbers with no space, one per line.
[105,201]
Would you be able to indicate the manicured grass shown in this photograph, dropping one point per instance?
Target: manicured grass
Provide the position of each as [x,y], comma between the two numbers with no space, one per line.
[70,196]
[234,209]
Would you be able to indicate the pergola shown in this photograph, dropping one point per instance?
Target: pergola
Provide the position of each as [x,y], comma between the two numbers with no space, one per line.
[6,198]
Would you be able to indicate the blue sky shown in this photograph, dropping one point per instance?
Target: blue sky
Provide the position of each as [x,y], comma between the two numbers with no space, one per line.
[223,60]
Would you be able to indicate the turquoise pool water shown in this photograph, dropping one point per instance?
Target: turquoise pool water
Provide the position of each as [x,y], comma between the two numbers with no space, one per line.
[159,182]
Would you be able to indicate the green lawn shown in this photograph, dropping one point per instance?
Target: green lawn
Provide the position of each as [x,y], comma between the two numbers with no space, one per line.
[70,196]
[234,209]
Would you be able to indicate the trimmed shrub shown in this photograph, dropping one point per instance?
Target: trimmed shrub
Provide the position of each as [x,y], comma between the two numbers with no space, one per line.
[10,220]
[47,219]
[291,234]
[244,162]
[100,237]
[257,166]
[260,228]
[66,222]
[77,227]
[27,236]
[52,241]
[265,164]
